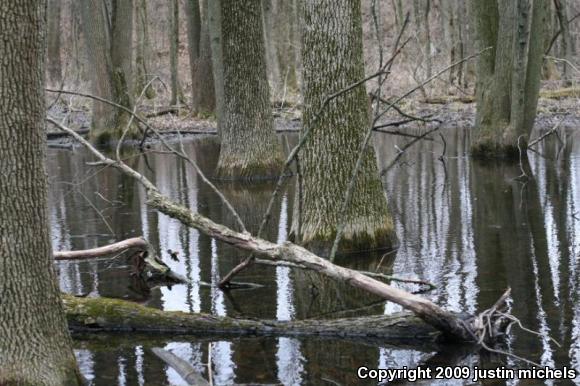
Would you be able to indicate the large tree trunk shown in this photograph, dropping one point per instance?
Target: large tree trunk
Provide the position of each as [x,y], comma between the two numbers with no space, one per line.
[35,348]
[202,84]
[330,154]
[508,74]
[249,148]
[54,64]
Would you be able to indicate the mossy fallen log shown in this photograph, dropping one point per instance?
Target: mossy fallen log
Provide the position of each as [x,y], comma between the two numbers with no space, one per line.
[98,315]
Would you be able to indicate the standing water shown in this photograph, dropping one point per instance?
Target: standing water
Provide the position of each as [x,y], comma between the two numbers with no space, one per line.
[471,228]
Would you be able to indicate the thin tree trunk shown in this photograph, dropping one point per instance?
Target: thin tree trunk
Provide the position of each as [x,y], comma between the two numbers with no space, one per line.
[272,60]
[143,50]
[566,39]
[249,147]
[330,154]
[54,64]
[107,61]
[173,47]
[536,50]
[122,39]
[35,348]
[202,83]
[192,11]
[215,35]
[98,52]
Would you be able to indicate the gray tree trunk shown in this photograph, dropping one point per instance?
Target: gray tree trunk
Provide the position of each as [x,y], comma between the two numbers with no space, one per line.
[174,44]
[143,50]
[249,147]
[122,42]
[215,35]
[508,79]
[202,84]
[54,63]
[329,155]
[35,348]
[272,60]
[107,74]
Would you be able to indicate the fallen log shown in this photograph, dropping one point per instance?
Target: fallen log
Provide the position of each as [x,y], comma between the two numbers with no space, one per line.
[98,315]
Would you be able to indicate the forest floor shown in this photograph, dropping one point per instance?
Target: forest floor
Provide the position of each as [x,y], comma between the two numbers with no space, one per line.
[288,119]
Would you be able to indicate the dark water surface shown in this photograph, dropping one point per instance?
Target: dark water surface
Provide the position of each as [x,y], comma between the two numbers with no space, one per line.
[472,229]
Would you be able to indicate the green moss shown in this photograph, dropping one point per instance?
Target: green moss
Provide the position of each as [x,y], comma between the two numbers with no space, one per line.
[490,150]
[266,169]
[382,238]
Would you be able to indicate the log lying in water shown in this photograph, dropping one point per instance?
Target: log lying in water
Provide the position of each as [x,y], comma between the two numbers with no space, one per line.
[86,315]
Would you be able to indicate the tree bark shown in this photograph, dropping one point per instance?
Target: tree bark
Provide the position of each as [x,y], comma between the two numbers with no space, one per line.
[214,22]
[202,83]
[143,50]
[249,147]
[122,44]
[566,37]
[272,60]
[508,74]
[174,46]
[54,63]
[108,80]
[330,154]
[35,348]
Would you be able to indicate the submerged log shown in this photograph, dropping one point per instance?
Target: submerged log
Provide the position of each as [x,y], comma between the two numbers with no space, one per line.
[96,315]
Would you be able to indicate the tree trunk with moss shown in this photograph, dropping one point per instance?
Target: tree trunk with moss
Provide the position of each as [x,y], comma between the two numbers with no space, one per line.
[249,147]
[332,53]
[508,74]
[35,348]
[108,77]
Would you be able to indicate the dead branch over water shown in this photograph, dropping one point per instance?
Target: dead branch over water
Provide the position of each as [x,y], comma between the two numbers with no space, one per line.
[449,324]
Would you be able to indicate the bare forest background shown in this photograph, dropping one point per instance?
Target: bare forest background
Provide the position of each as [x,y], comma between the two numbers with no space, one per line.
[441,33]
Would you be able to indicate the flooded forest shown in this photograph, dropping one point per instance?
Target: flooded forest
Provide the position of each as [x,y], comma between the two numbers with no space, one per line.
[289,192]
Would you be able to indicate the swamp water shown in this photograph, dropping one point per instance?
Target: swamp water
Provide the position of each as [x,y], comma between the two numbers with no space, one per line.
[472,229]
